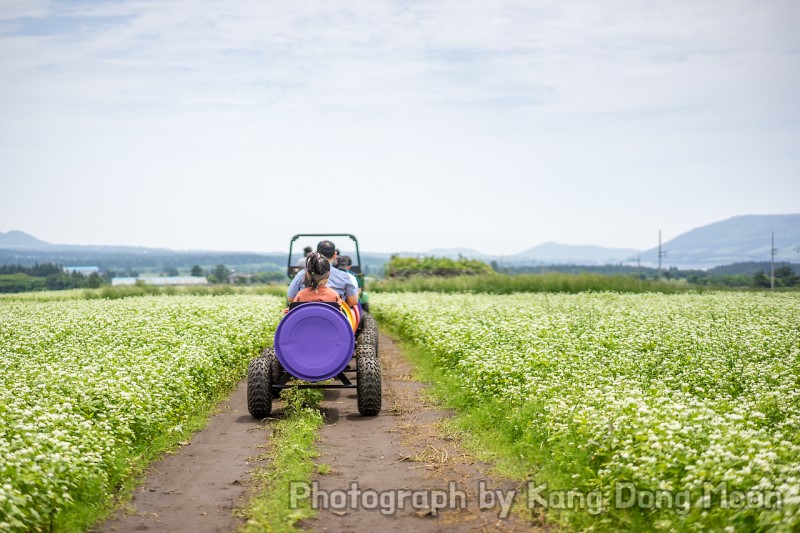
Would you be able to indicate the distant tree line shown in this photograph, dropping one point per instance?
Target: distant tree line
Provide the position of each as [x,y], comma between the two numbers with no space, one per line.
[745,274]
[51,276]
[45,276]
[784,277]
[221,274]
[124,260]
[37,270]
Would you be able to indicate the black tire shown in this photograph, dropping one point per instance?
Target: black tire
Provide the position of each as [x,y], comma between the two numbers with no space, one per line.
[275,368]
[366,338]
[259,397]
[371,327]
[369,322]
[366,344]
[361,349]
[369,338]
[368,384]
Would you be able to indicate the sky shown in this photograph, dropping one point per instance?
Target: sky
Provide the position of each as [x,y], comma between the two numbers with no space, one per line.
[491,125]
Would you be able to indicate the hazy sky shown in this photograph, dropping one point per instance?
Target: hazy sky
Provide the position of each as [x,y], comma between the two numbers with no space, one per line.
[494,125]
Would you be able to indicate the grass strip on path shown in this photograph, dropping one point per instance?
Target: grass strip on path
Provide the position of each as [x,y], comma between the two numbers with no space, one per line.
[291,459]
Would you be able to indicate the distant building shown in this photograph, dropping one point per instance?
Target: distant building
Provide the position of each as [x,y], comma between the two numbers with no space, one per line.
[162,280]
[85,270]
[240,278]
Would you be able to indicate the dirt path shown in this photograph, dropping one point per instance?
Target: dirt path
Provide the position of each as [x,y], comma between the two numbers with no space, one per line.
[401,452]
[197,488]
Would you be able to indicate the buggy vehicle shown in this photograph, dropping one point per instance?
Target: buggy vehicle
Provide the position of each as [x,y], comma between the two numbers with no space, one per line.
[315,344]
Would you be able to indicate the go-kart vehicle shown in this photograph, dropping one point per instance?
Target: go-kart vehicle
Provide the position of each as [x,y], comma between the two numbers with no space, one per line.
[316,342]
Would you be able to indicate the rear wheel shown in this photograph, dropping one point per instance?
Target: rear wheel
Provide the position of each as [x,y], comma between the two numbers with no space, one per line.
[371,330]
[369,322]
[259,396]
[366,345]
[276,370]
[368,385]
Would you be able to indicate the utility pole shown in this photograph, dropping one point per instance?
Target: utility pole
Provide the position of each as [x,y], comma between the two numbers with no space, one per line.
[661,254]
[772,251]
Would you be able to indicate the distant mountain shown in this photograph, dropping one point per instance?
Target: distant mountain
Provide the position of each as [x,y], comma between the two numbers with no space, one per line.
[547,253]
[738,239]
[20,239]
[741,238]
[553,252]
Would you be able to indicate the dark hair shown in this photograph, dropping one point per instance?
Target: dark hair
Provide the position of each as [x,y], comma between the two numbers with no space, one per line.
[326,248]
[317,269]
[307,250]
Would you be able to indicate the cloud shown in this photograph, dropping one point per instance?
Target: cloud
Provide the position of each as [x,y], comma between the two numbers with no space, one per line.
[552,57]
[446,106]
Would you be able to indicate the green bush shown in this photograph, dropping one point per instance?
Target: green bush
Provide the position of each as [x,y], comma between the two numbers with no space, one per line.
[403,267]
[20,282]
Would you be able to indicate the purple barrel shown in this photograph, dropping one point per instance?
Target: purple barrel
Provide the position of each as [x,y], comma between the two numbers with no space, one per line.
[314,342]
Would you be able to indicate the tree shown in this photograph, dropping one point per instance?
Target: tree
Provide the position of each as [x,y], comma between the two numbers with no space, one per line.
[221,273]
[785,277]
[94,280]
[760,279]
[267,277]
[197,271]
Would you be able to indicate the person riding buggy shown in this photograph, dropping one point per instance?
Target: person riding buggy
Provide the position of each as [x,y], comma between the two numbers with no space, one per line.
[338,281]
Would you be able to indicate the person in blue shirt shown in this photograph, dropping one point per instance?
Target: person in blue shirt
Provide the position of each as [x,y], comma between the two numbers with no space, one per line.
[302,261]
[339,280]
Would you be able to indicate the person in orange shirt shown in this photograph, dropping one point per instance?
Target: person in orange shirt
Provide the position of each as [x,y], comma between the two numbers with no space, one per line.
[318,271]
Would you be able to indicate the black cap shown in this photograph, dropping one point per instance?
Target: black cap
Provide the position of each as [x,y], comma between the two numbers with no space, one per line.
[326,248]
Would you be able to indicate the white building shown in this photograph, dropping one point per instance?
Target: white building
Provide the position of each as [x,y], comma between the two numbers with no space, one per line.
[160,280]
[85,270]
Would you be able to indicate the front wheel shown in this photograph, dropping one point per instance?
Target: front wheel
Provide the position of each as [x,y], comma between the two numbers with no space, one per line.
[259,395]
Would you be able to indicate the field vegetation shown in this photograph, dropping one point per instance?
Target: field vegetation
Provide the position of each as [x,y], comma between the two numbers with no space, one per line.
[655,387]
[93,389]
[676,412]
